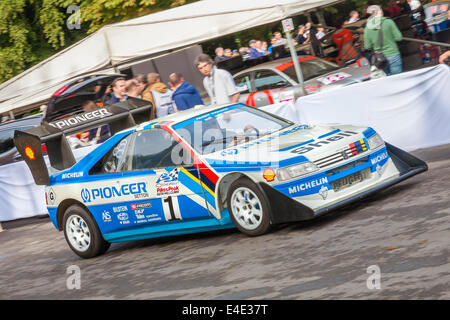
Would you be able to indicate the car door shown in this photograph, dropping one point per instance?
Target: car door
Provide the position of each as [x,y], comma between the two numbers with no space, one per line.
[174,188]
[268,87]
[144,180]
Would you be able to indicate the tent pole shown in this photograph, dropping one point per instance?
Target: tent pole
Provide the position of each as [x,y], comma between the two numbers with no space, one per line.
[294,56]
[321,18]
[308,16]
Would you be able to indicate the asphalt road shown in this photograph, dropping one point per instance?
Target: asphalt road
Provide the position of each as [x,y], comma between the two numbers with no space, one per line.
[403,230]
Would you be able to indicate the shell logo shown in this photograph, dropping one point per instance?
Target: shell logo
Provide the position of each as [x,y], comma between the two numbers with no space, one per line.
[269,175]
[30,153]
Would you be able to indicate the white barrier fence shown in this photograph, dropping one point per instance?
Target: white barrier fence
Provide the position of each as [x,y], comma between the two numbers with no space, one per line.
[20,197]
[410,110]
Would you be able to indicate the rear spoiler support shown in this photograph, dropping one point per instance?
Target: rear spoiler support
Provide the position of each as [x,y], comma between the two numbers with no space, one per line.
[119,116]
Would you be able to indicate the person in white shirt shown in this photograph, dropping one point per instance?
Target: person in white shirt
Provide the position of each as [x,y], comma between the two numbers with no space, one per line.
[218,83]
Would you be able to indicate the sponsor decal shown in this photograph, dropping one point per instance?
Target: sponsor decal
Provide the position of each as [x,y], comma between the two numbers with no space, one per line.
[85,195]
[308,185]
[106,216]
[141,205]
[167,183]
[120,209]
[358,146]
[333,78]
[30,153]
[379,170]
[141,195]
[79,119]
[263,140]
[122,216]
[323,192]
[139,214]
[269,175]
[318,144]
[71,175]
[51,196]
[137,189]
[379,158]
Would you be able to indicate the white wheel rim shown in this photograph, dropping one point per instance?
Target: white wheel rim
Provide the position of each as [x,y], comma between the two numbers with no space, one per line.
[246,208]
[78,233]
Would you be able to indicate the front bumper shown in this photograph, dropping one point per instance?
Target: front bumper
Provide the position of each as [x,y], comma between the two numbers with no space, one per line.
[286,209]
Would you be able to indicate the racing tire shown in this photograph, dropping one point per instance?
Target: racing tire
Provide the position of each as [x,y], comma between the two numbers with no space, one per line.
[248,208]
[82,233]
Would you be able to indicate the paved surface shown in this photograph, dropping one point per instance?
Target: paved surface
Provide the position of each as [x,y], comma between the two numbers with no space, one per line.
[404,230]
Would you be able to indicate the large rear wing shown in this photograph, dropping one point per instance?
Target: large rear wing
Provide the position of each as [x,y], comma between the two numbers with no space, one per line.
[118,116]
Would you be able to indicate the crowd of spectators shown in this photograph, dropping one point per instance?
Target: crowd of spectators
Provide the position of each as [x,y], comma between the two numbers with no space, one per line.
[179,95]
[258,48]
[342,39]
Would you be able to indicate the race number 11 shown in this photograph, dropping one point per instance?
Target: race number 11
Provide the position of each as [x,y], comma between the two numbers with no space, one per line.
[171,208]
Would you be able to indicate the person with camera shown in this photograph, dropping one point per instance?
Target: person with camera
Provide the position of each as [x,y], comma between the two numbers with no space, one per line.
[381,35]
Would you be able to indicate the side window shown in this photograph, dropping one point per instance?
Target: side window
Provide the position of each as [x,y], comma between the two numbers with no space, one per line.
[266,80]
[115,160]
[243,83]
[156,148]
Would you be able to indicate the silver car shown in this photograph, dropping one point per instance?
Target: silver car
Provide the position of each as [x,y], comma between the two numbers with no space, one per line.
[276,81]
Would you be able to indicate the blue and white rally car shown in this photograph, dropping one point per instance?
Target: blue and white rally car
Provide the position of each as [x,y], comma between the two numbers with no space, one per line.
[204,169]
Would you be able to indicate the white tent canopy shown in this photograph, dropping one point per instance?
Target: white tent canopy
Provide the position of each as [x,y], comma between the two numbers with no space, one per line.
[144,37]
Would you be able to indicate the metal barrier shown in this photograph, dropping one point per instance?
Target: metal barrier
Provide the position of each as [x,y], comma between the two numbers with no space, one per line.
[439,44]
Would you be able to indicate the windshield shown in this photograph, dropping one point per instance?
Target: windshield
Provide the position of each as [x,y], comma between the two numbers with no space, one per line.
[311,69]
[228,127]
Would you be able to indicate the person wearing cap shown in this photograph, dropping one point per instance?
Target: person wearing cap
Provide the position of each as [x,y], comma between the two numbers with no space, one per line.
[119,91]
[254,52]
[390,35]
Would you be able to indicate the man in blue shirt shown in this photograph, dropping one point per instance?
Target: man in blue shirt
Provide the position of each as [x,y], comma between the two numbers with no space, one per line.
[119,91]
[254,53]
[184,94]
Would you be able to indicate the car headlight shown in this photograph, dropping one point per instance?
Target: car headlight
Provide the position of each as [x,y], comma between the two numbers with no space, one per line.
[375,141]
[297,170]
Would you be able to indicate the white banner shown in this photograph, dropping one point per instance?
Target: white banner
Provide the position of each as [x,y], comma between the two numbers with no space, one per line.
[19,195]
[410,110]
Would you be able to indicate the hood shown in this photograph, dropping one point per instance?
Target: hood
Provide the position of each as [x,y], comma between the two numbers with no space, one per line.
[375,23]
[298,143]
[160,87]
[185,88]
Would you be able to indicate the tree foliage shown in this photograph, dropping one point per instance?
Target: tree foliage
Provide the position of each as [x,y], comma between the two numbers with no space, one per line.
[32,30]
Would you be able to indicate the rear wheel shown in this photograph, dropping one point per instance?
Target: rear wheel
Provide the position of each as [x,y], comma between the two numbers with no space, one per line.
[82,233]
[248,208]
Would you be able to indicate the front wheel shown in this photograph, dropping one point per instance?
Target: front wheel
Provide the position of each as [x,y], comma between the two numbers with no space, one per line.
[82,233]
[248,208]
